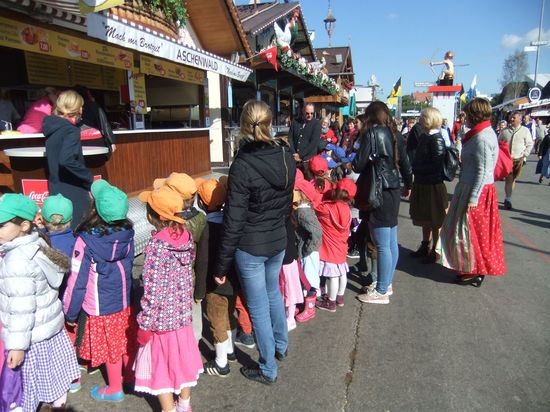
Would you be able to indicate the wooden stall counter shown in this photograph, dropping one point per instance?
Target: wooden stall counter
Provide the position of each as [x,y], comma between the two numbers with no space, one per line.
[141,156]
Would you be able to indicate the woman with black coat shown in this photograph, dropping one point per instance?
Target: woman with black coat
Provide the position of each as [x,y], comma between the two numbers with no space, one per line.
[429,199]
[380,139]
[259,200]
[68,174]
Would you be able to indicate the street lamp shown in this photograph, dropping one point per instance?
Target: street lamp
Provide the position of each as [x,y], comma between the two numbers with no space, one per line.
[330,24]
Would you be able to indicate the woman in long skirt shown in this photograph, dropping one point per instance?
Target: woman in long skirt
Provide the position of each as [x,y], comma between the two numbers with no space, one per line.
[471,237]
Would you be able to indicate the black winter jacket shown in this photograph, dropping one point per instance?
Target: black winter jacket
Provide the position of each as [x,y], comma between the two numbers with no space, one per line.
[304,139]
[429,159]
[259,199]
[68,174]
[381,138]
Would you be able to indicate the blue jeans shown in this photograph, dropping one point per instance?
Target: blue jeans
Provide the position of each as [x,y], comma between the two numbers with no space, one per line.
[385,239]
[259,276]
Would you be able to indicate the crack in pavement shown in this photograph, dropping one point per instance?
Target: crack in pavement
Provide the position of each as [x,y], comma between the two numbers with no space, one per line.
[352,356]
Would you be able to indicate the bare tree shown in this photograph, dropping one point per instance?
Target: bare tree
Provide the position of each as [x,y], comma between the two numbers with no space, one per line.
[514,70]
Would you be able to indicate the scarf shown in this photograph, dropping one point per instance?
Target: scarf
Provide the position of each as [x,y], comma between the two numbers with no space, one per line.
[476,130]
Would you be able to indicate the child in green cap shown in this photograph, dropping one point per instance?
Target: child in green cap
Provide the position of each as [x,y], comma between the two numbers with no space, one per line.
[57,214]
[100,284]
[31,271]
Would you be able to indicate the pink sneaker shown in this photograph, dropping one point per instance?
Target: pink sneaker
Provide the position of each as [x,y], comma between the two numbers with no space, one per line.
[374,297]
[309,310]
[340,300]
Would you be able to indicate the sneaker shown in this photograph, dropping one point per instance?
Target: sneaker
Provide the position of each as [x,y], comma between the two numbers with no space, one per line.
[212,368]
[372,286]
[340,300]
[327,304]
[98,393]
[246,340]
[353,253]
[374,297]
[75,387]
[507,205]
[255,374]
[231,357]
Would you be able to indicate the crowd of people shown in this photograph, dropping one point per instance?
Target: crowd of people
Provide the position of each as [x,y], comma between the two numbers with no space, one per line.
[258,251]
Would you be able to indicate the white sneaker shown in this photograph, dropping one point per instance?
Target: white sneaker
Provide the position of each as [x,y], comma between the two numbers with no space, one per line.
[374,297]
[372,287]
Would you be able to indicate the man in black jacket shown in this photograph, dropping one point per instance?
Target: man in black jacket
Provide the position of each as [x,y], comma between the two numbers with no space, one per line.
[304,135]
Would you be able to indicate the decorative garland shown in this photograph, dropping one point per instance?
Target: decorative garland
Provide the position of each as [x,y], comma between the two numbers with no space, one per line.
[173,9]
[293,61]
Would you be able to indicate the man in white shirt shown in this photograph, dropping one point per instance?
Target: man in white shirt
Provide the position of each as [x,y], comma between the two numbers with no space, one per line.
[520,142]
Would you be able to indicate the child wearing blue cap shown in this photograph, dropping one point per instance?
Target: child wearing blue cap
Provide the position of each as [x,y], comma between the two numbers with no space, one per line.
[100,284]
[39,350]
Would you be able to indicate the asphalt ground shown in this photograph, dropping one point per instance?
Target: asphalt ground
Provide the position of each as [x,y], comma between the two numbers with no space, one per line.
[437,346]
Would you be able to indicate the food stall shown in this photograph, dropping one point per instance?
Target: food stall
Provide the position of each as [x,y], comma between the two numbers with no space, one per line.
[164,94]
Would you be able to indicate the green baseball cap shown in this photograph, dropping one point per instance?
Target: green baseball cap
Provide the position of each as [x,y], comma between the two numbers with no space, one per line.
[57,205]
[17,205]
[111,203]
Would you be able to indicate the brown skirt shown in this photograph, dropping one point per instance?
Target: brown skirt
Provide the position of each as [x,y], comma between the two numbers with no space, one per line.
[428,204]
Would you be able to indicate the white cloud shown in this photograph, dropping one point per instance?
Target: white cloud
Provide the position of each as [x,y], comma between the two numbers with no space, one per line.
[510,41]
[392,16]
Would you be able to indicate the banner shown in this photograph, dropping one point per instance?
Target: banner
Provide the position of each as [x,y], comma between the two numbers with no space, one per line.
[117,32]
[169,70]
[36,39]
[139,102]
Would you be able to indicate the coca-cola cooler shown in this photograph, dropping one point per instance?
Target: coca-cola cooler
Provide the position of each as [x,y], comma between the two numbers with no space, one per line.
[29,169]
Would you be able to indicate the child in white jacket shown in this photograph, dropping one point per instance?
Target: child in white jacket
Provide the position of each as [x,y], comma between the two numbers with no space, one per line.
[30,310]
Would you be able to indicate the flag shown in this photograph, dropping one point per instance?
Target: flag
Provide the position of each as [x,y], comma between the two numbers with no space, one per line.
[396,91]
[270,55]
[472,91]
[462,94]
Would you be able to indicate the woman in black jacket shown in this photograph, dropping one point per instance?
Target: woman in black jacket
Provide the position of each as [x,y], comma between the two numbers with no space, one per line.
[429,200]
[380,139]
[259,200]
[68,174]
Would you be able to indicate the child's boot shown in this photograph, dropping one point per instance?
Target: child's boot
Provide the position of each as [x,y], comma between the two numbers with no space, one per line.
[309,309]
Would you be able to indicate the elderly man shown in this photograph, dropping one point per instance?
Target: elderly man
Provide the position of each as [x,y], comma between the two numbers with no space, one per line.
[304,136]
[520,141]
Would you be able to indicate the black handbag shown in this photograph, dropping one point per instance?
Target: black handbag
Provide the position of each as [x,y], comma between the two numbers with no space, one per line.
[450,164]
[369,183]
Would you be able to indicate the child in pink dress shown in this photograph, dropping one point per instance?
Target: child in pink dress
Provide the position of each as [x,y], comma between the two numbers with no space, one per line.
[168,360]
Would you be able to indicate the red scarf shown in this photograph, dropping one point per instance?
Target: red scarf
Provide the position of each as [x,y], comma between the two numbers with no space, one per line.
[476,130]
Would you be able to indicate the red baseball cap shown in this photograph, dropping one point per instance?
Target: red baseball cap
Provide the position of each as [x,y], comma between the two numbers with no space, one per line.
[318,165]
[348,185]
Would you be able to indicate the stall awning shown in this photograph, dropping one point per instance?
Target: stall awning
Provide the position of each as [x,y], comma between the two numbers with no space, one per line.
[127,34]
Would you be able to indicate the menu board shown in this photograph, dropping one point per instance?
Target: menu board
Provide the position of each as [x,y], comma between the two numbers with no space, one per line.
[47,70]
[169,70]
[139,104]
[31,38]
[54,71]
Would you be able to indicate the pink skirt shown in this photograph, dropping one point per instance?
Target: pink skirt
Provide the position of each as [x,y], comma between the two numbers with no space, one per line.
[168,363]
[291,288]
[333,270]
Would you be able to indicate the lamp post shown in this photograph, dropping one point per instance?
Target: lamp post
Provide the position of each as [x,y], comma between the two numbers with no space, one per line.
[330,24]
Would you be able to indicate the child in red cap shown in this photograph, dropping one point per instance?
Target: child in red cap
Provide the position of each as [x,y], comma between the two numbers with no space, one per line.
[335,218]
[321,177]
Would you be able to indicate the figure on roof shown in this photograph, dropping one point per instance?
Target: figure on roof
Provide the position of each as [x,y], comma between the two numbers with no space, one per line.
[286,38]
[448,73]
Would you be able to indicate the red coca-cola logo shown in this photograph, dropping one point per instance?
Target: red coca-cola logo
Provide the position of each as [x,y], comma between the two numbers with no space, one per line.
[36,189]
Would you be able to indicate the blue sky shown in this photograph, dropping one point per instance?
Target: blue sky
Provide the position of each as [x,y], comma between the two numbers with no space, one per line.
[391,38]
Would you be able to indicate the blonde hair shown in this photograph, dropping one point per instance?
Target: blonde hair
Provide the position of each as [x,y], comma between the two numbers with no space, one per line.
[68,104]
[430,118]
[256,121]
[55,225]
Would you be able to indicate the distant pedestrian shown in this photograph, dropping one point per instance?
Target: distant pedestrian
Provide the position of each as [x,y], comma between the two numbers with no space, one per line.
[541,132]
[304,135]
[544,158]
[520,141]
[471,236]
